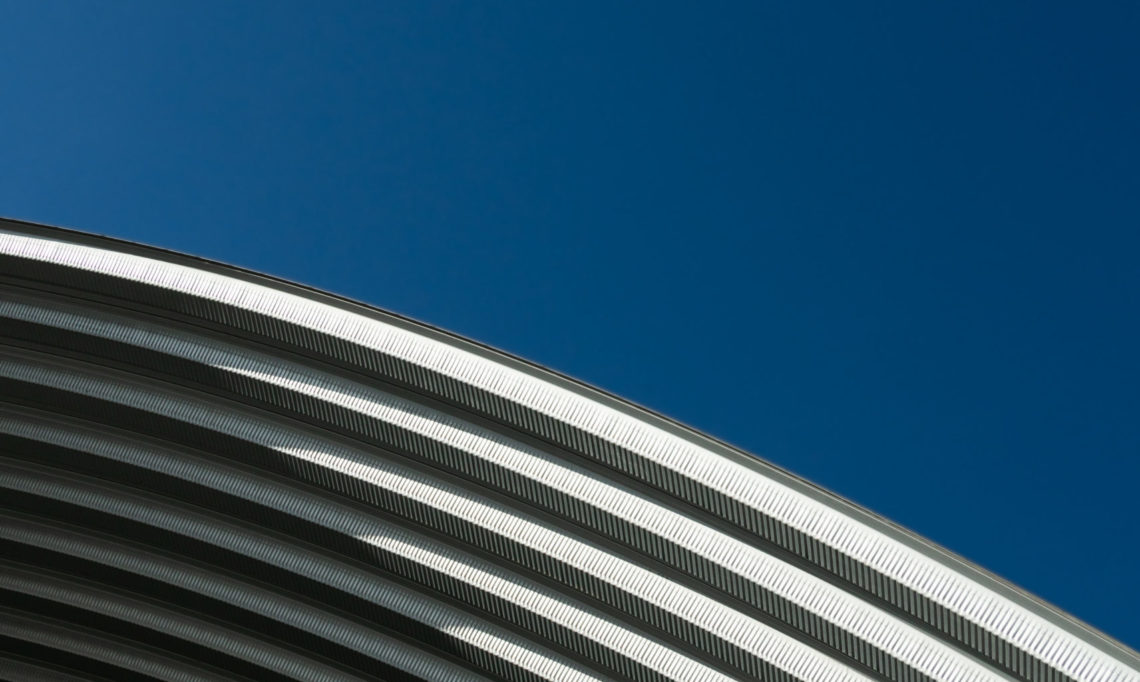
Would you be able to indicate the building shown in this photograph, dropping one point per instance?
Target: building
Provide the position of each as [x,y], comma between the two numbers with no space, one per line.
[210,473]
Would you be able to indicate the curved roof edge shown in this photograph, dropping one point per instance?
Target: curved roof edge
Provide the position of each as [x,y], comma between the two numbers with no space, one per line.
[557,406]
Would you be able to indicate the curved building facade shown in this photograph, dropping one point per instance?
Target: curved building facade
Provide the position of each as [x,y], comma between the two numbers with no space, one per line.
[206,473]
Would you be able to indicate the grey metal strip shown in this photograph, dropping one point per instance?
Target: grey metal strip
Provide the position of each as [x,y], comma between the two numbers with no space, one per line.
[88,645]
[230,642]
[23,671]
[495,642]
[707,615]
[835,617]
[828,531]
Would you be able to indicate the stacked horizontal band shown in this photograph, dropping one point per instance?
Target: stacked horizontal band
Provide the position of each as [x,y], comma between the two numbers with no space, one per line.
[446,508]
[19,670]
[741,570]
[595,539]
[98,653]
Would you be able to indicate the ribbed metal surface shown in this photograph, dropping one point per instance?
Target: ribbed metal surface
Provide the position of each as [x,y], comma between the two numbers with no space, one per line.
[209,473]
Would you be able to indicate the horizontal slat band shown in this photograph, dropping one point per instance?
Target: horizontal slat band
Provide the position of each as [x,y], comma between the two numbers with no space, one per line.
[574,535]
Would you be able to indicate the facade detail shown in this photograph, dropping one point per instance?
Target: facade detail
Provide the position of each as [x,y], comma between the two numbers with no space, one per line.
[207,473]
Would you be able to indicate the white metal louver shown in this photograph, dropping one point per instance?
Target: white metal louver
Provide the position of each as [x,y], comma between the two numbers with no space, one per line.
[206,473]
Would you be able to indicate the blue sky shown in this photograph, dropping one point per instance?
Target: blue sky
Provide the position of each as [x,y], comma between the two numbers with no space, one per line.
[893,250]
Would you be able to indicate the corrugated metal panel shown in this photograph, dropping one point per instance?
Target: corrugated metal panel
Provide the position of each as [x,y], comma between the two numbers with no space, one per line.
[354,495]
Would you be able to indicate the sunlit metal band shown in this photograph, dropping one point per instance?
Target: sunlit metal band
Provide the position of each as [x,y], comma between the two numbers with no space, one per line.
[352,495]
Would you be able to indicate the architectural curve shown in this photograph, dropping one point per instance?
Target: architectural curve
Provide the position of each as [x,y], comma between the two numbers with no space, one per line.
[207,473]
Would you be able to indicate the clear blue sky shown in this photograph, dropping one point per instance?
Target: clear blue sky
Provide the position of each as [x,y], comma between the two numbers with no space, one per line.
[892,250]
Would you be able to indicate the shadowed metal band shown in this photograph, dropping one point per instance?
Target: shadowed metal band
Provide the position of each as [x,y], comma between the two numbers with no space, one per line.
[294,485]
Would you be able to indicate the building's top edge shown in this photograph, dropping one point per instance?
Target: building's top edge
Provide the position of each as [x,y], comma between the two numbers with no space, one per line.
[945,557]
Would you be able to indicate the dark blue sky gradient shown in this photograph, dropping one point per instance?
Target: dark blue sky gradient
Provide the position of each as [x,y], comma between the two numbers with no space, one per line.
[892,250]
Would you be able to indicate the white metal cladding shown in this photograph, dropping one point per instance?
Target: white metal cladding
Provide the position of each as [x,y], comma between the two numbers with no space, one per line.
[701,611]
[835,605]
[480,502]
